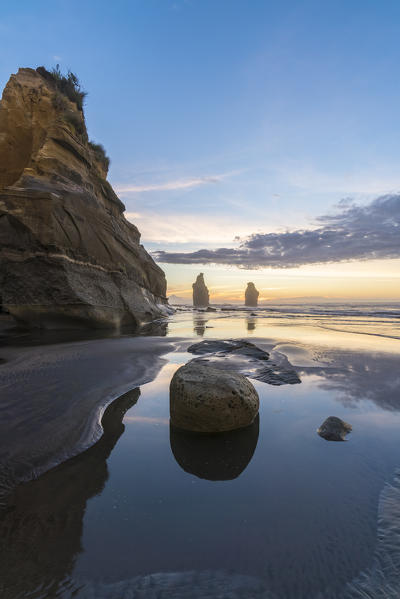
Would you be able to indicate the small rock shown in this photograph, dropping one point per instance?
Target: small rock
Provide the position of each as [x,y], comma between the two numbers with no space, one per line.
[206,399]
[334,429]
[209,309]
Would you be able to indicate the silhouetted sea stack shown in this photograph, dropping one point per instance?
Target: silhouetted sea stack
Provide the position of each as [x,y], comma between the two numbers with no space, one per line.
[251,295]
[201,297]
[68,256]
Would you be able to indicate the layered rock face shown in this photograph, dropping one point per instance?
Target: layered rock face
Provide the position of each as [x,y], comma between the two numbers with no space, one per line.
[68,256]
[201,297]
[251,295]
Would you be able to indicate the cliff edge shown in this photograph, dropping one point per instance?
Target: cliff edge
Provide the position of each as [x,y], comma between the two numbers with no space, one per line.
[68,256]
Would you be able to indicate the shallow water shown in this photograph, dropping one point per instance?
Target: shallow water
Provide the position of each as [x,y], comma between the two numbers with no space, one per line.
[271,512]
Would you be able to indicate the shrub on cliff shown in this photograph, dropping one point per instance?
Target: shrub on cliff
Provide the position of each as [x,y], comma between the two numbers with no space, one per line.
[77,122]
[68,85]
[100,153]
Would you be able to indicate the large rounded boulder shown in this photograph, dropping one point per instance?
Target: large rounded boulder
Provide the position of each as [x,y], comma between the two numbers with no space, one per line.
[211,400]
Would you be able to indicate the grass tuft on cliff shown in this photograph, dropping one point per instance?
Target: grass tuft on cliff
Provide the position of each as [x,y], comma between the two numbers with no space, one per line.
[68,85]
[100,153]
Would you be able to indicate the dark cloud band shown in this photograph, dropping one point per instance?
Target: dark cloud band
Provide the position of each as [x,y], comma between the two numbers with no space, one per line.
[354,233]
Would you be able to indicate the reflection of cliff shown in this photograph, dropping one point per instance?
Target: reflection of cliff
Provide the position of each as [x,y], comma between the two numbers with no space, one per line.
[222,456]
[41,525]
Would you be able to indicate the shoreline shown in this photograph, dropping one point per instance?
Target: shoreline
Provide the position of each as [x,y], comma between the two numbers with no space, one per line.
[72,385]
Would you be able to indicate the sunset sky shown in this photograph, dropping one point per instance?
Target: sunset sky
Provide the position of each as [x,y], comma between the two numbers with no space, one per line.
[249,140]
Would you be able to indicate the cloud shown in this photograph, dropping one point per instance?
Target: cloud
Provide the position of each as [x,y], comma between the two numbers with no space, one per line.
[172,185]
[355,232]
[177,228]
[370,183]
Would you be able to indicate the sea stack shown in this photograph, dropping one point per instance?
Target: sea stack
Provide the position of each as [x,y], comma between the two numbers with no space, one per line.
[201,297]
[68,256]
[251,295]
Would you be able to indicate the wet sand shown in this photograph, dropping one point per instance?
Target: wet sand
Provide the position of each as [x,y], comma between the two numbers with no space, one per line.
[53,397]
[274,512]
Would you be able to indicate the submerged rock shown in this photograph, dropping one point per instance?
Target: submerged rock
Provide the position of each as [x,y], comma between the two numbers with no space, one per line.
[215,457]
[68,256]
[210,400]
[201,297]
[251,295]
[334,429]
[248,359]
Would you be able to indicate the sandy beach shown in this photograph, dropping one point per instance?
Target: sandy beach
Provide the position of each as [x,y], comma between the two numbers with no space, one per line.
[319,510]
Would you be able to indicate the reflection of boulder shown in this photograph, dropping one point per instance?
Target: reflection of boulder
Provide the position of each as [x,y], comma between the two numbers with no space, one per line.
[41,525]
[201,296]
[210,400]
[334,429]
[251,295]
[215,457]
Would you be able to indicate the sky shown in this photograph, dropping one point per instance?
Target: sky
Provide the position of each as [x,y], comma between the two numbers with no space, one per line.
[250,140]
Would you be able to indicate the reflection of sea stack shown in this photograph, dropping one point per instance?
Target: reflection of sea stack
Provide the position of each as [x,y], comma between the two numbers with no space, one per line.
[201,296]
[223,456]
[251,295]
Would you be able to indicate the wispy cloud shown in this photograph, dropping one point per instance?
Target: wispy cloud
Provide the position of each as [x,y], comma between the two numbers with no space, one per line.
[177,228]
[373,182]
[356,232]
[175,184]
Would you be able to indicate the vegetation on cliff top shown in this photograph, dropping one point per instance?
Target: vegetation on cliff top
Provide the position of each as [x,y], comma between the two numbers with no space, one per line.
[100,153]
[70,87]
[66,84]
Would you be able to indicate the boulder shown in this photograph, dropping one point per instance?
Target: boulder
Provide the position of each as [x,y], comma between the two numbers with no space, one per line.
[334,429]
[210,400]
[68,256]
[201,297]
[248,359]
[251,295]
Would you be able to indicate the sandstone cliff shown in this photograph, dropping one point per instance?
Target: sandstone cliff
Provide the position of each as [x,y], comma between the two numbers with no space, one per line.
[68,256]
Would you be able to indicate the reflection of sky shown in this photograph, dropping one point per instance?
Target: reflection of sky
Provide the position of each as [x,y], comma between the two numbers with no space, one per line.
[303,506]
[360,334]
